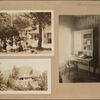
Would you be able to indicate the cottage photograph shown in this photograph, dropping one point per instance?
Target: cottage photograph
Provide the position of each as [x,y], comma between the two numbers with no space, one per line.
[32,76]
[26,32]
[79,48]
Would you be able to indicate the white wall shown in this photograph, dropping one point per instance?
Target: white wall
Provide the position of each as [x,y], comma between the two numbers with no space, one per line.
[66,26]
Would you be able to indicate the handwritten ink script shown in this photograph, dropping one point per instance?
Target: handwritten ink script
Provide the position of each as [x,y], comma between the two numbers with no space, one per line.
[88,4]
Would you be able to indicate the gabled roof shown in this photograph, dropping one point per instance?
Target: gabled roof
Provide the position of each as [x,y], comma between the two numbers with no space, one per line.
[28,29]
[46,30]
[34,31]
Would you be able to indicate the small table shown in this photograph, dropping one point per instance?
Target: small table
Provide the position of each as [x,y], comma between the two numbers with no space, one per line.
[82,60]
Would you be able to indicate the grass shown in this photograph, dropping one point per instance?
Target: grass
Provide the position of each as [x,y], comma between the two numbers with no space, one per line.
[42,49]
[34,51]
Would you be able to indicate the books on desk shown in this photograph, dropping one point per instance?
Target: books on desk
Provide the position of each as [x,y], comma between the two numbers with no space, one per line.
[82,57]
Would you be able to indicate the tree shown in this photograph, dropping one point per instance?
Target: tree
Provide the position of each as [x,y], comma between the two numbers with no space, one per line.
[31,72]
[41,19]
[6,30]
[20,23]
[10,82]
[3,86]
[44,81]
[15,73]
[7,33]
[4,20]
[1,76]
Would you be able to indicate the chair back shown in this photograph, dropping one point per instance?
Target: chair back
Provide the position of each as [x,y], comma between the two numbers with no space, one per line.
[67,62]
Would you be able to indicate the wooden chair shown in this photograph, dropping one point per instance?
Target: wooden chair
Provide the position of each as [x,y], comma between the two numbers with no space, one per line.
[71,67]
[60,78]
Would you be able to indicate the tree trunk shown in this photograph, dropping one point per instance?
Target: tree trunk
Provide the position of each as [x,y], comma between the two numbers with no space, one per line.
[40,37]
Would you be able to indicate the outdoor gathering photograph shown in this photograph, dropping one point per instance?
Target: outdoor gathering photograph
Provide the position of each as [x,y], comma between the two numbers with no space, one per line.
[26,32]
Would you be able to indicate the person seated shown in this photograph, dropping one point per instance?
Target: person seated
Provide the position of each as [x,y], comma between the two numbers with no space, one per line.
[9,47]
[20,47]
[26,47]
[1,49]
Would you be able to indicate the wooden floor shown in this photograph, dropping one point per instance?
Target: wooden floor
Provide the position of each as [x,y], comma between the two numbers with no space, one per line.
[82,77]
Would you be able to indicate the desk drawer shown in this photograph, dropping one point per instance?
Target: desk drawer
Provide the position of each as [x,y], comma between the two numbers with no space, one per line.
[83,63]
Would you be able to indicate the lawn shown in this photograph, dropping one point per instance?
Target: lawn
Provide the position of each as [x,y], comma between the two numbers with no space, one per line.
[30,51]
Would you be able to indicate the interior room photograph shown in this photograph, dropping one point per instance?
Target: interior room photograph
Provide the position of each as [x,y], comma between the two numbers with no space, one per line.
[79,48]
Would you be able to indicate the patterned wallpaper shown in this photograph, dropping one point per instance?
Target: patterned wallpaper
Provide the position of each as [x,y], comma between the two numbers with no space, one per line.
[87,21]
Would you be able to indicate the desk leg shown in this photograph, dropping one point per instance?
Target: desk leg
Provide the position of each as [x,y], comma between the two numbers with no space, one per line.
[69,73]
[89,70]
[77,67]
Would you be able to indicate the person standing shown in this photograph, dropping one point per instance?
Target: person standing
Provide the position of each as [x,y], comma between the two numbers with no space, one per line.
[14,46]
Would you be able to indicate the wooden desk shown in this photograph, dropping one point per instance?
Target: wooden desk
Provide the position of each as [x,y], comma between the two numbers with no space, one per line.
[82,60]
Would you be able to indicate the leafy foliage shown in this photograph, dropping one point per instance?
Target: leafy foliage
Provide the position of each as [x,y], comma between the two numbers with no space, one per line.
[15,73]
[6,30]
[2,81]
[31,72]
[8,33]
[30,87]
[1,76]
[20,23]
[4,20]
[11,82]
[44,81]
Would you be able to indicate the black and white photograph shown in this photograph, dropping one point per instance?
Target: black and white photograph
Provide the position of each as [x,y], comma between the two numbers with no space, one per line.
[79,48]
[25,76]
[26,33]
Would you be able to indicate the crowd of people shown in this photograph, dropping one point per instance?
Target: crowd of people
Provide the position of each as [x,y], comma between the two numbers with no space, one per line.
[13,46]
[17,46]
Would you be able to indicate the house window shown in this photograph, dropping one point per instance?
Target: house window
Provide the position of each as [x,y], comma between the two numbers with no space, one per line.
[44,35]
[49,41]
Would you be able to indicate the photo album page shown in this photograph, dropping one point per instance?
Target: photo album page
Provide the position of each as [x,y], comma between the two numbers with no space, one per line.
[50,50]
